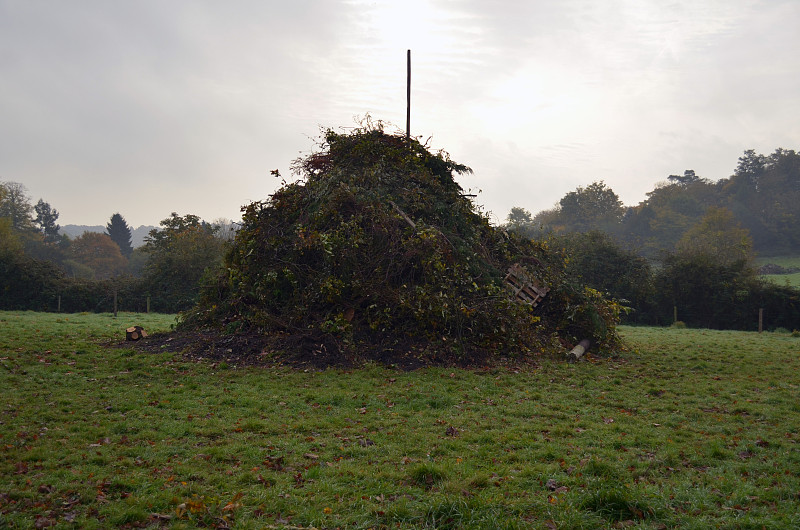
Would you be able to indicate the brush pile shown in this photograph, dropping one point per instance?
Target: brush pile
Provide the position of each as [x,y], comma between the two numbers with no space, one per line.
[377,252]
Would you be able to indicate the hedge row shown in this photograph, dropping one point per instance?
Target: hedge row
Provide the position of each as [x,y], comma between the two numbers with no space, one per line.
[28,284]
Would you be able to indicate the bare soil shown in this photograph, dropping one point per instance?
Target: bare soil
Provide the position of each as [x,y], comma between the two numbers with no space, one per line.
[314,351]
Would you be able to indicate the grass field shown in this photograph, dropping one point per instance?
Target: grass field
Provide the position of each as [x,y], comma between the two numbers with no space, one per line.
[691,429]
[791,280]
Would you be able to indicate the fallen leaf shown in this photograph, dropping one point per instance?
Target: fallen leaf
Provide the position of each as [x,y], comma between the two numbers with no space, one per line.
[43,522]
[231,506]
[273,462]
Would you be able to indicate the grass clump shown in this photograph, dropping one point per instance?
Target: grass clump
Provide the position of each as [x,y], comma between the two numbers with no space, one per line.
[427,475]
[616,503]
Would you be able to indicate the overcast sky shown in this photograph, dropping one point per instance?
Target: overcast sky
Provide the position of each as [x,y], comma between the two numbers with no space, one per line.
[150,106]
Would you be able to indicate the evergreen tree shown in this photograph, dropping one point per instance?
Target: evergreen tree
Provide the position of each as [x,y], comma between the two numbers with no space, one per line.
[46,217]
[119,231]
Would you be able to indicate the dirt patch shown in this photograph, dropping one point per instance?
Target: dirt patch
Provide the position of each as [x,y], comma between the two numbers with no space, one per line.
[314,350]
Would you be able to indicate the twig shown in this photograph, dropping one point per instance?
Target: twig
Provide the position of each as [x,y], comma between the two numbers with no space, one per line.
[403,214]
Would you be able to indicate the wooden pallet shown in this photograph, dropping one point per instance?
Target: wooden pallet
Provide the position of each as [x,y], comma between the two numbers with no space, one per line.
[525,288]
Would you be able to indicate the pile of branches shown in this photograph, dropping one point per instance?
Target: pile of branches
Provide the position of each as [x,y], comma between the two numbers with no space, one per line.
[376,248]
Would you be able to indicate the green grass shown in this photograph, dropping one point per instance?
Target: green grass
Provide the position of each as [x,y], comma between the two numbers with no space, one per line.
[694,429]
[790,280]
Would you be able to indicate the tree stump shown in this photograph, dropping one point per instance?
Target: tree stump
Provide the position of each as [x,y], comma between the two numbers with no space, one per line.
[135,333]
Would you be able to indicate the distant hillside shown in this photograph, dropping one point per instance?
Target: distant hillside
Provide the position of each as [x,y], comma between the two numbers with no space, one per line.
[137,234]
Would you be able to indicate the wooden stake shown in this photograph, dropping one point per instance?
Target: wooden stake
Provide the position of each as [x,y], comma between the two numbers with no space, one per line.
[59,304]
[760,319]
[115,303]
[408,96]
[403,215]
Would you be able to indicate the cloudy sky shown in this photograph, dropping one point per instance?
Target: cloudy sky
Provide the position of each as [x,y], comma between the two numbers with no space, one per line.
[147,107]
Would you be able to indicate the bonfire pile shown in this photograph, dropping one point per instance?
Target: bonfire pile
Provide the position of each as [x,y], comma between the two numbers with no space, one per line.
[376,248]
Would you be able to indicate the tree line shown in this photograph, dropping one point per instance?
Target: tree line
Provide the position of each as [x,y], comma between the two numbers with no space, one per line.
[689,246]
[41,269]
[687,251]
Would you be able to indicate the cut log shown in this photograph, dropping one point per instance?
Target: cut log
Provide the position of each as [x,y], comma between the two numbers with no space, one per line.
[135,333]
[577,352]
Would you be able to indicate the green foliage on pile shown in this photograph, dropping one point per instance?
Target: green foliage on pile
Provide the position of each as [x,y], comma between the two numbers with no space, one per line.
[378,247]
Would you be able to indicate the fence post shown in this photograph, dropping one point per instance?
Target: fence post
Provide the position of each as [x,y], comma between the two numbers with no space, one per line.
[674,314]
[148,303]
[760,319]
[115,303]
[58,310]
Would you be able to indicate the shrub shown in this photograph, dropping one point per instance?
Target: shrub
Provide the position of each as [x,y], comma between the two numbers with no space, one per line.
[36,285]
[27,283]
[600,262]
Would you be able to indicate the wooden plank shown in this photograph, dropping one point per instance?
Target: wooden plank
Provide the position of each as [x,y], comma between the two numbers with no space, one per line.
[525,288]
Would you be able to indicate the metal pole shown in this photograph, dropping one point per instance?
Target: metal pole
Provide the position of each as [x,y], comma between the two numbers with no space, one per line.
[408,96]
